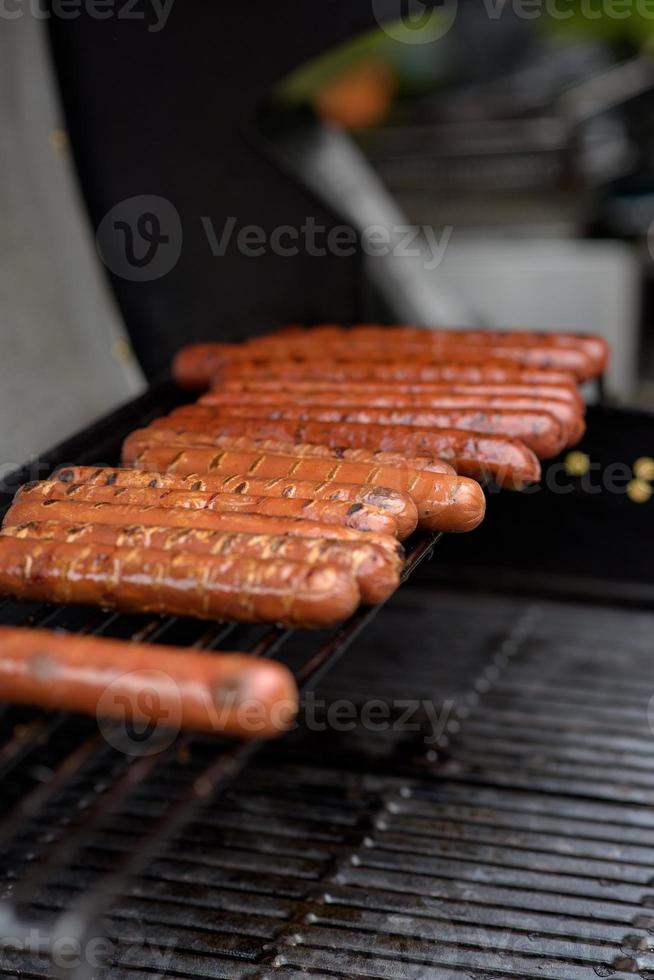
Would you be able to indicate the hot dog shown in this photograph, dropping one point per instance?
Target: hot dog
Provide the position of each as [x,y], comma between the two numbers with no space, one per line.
[183,584]
[444,503]
[595,347]
[540,431]
[397,371]
[24,510]
[205,692]
[558,392]
[195,364]
[395,502]
[424,486]
[425,344]
[507,460]
[568,415]
[375,569]
[195,367]
[225,454]
[267,349]
[360,516]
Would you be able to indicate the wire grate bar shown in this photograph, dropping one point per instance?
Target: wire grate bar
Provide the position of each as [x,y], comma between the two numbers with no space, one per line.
[102,441]
[219,772]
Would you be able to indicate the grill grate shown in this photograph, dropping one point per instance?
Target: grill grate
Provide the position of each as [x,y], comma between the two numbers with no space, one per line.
[509,834]
[521,845]
[31,786]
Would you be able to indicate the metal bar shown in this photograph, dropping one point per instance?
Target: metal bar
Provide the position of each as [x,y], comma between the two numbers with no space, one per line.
[314,669]
[30,805]
[81,919]
[104,805]
[105,439]
[214,636]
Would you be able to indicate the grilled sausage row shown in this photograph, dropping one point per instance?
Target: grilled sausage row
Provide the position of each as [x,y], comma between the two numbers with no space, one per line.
[415,496]
[474,454]
[280,496]
[594,347]
[361,516]
[376,568]
[177,583]
[582,356]
[540,430]
[563,404]
[260,457]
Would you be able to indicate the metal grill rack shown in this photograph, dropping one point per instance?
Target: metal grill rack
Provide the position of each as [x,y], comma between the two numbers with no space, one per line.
[514,841]
[75,747]
[521,845]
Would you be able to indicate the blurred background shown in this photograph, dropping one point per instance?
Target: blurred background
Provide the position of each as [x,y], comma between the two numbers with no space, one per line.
[504,149]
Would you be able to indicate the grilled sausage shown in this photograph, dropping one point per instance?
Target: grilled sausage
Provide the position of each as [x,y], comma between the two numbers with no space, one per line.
[584,357]
[540,431]
[195,367]
[195,364]
[363,517]
[376,570]
[444,503]
[595,347]
[25,510]
[569,359]
[422,485]
[395,502]
[568,415]
[363,390]
[182,584]
[208,692]
[397,371]
[224,454]
[425,344]
[508,461]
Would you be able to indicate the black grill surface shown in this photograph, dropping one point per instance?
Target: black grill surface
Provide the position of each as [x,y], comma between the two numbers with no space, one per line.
[495,821]
[516,842]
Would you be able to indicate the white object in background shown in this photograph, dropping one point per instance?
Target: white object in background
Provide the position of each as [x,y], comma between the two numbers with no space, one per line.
[553,285]
[328,161]
[65,354]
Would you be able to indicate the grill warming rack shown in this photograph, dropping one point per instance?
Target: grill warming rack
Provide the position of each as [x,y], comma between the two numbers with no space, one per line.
[81,921]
